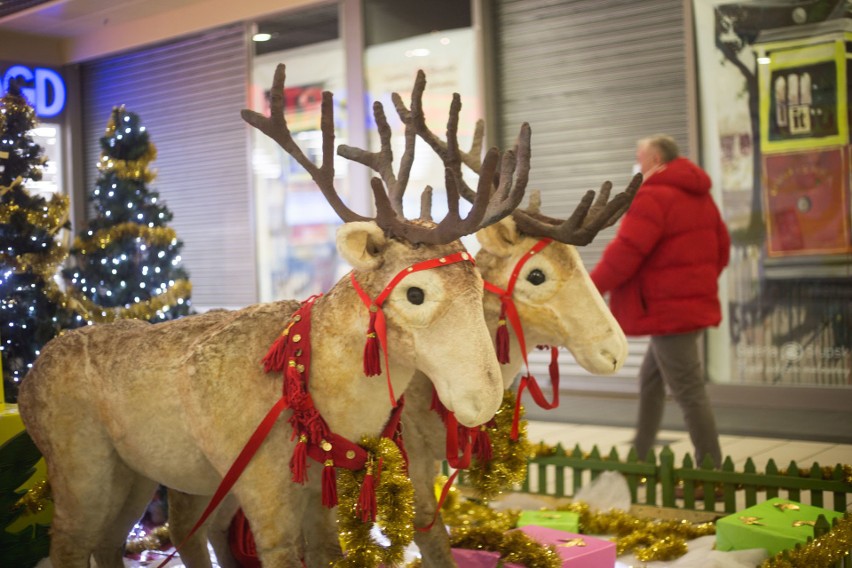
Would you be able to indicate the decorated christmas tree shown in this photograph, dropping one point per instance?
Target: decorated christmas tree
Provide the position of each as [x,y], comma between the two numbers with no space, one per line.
[31,310]
[127,261]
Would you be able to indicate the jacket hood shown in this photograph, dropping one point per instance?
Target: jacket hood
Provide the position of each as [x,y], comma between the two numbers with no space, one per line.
[683,174]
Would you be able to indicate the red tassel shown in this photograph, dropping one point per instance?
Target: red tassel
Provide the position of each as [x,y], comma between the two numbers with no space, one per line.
[367,498]
[298,463]
[482,445]
[502,338]
[438,406]
[372,362]
[275,358]
[329,485]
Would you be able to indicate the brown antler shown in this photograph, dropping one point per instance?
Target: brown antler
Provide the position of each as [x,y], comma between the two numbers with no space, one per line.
[589,218]
[513,165]
[486,209]
[275,126]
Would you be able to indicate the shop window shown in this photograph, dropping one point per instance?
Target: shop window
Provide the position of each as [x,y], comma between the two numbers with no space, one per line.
[295,226]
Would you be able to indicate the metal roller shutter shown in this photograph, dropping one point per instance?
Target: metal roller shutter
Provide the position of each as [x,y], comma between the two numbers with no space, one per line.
[188,94]
[591,77]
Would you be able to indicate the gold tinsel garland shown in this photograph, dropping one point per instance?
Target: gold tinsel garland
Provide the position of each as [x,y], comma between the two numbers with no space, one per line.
[145,310]
[49,218]
[36,499]
[509,466]
[648,539]
[130,169]
[476,526]
[158,538]
[822,552]
[394,509]
[155,236]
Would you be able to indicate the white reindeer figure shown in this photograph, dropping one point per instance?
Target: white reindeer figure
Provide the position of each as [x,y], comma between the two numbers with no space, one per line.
[89,400]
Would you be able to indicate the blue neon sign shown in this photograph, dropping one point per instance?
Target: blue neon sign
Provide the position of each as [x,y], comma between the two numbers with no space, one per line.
[43,88]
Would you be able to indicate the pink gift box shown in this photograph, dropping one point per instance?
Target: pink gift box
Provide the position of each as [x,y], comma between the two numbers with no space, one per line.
[576,550]
[466,558]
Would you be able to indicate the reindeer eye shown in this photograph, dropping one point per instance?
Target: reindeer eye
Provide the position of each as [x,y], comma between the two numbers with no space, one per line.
[536,277]
[415,296]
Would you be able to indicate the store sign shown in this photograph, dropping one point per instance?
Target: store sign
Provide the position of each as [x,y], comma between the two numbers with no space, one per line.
[43,88]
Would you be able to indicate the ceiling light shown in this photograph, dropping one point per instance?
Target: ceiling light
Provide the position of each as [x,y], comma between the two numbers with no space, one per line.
[261,37]
[763,60]
[420,52]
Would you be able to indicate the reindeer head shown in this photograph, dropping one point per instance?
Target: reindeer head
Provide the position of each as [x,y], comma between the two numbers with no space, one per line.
[433,317]
[556,301]
[554,295]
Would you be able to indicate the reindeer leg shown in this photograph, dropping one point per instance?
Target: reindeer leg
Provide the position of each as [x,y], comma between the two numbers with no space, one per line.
[90,490]
[275,507]
[217,532]
[184,511]
[434,544]
[322,541]
[110,550]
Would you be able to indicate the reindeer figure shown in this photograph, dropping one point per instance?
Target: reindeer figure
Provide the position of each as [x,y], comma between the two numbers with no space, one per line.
[87,402]
[556,302]
[554,296]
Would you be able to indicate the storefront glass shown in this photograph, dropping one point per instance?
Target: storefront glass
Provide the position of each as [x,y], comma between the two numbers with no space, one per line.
[774,88]
[296,227]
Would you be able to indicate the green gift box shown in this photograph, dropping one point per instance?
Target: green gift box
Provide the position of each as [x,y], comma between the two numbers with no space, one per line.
[562,520]
[776,525]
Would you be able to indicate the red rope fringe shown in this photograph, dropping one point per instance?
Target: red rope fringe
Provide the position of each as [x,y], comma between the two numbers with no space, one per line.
[482,446]
[502,338]
[372,362]
[329,485]
[275,358]
[367,499]
[299,463]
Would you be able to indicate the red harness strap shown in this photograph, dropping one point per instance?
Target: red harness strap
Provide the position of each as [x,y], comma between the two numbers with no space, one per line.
[509,312]
[377,328]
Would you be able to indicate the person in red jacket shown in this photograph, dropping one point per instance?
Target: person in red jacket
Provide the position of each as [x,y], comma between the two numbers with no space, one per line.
[661,272]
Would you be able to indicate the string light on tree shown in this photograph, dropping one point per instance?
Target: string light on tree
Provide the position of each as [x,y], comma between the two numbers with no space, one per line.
[31,304]
[127,260]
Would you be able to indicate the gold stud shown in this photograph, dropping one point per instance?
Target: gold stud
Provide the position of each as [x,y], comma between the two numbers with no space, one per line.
[325,445]
[442,260]
[465,256]
[300,368]
[291,363]
[297,317]
[350,454]
[298,352]
[410,269]
[297,338]
[329,463]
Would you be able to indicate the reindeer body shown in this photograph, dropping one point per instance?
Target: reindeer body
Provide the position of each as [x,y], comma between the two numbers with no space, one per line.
[118,408]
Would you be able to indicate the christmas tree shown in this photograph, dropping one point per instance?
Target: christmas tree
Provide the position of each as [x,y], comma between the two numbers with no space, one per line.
[127,261]
[31,310]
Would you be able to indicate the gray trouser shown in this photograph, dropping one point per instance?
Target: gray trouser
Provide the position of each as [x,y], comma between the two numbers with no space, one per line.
[675,361]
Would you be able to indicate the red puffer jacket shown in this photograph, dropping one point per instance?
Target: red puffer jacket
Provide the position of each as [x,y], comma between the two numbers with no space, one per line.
[663,266]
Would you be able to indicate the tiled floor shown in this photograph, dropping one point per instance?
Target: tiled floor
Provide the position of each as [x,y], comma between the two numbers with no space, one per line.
[739,448]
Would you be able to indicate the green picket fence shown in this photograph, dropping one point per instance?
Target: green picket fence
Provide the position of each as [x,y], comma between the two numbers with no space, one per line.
[658,481]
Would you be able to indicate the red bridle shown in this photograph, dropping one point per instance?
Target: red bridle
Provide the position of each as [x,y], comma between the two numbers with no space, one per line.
[377,328]
[508,311]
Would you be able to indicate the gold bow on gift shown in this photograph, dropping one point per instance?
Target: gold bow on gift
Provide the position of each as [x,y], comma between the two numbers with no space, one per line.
[751,521]
[572,542]
[787,506]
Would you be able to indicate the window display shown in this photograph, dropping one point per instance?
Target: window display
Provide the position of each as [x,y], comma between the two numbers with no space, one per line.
[774,83]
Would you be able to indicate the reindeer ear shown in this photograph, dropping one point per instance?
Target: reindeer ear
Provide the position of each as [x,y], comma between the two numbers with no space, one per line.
[499,238]
[361,244]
